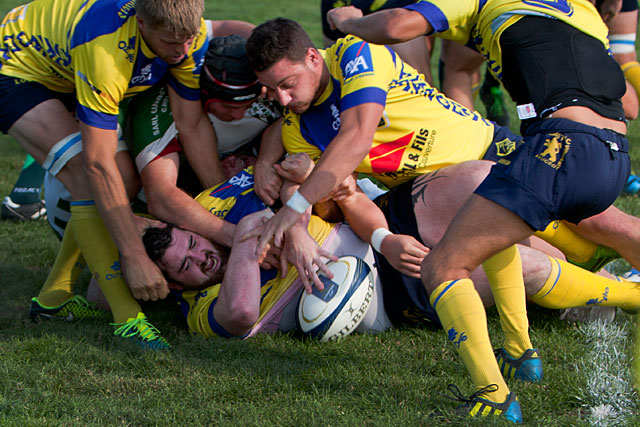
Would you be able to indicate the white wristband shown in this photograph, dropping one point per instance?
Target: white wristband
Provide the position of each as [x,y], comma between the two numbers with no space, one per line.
[298,203]
[378,236]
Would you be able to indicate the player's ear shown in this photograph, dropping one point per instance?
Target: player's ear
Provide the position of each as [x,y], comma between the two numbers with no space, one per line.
[313,56]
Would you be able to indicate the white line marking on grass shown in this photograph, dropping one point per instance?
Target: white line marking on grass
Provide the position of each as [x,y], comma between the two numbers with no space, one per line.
[609,395]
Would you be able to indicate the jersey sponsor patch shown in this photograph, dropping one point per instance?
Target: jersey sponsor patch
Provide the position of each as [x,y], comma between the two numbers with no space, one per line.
[356,61]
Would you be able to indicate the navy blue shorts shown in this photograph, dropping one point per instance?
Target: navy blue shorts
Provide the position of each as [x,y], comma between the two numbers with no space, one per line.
[564,170]
[504,143]
[405,298]
[17,96]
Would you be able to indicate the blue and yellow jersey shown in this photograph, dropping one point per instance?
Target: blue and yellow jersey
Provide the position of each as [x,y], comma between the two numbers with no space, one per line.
[420,129]
[479,23]
[232,200]
[92,47]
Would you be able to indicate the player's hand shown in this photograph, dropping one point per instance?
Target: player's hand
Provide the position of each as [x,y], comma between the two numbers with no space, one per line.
[609,9]
[336,17]
[273,230]
[301,250]
[295,168]
[404,253]
[344,190]
[145,279]
[272,258]
[267,182]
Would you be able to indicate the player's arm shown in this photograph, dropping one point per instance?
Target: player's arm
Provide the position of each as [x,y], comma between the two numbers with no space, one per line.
[267,182]
[343,154]
[300,249]
[99,148]
[403,252]
[169,203]
[197,138]
[229,26]
[383,27]
[238,305]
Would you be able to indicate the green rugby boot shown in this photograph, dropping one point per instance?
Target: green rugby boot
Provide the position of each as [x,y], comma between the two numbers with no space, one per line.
[75,308]
[602,256]
[142,332]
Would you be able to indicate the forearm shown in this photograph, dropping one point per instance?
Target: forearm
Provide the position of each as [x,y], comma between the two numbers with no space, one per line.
[345,152]
[191,215]
[287,190]
[113,204]
[363,216]
[197,138]
[387,26]
[238,305]
[200,148]
[271,148]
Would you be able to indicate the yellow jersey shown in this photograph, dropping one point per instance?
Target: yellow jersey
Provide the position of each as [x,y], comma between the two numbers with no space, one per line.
[479,23]
[92,47]
[420,130]
[232,200]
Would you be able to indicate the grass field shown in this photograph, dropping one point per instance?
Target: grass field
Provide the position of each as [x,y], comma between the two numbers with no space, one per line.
[79,374]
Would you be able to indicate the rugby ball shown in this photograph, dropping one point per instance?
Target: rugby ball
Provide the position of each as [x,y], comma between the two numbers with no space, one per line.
[337,310]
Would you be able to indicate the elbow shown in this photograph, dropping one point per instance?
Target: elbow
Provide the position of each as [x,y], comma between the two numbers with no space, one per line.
[242,318]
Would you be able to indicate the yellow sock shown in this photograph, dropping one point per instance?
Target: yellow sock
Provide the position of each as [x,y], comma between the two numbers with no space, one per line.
[637,357]
[463,318]
[504,271]
[571,286]
[631,72]
[62,278]
[103,259]
[573,246]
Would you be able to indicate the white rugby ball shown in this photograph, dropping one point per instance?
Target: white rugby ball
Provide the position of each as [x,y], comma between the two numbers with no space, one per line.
[337,310]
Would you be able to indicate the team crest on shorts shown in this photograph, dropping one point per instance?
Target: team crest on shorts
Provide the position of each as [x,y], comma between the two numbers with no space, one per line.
[556,147]
[505,147]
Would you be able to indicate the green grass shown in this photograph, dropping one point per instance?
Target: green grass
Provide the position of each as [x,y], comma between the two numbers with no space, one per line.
[76,374]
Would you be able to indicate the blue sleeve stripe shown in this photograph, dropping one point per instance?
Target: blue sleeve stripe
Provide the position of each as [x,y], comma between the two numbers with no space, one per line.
[104,17]
[184,91]
[432,14]
[87,202]
[96,119]
[215,326]
[363,96]
[393,54]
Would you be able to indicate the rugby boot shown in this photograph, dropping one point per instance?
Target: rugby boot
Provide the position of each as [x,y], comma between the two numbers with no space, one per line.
[141,332]
[16,212]
[601,257]
[527,367]
[632,187]
[493,100]
[75,308]
[474,405]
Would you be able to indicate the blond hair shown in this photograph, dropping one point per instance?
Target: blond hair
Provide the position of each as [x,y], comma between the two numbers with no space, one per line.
[181,17]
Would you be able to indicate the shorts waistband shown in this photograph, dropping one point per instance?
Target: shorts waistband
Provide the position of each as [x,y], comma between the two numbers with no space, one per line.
[569,126]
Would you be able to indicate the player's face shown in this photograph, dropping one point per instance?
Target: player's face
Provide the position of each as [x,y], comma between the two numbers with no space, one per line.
[228,111]
[295,85]
[169,47]
[193,261]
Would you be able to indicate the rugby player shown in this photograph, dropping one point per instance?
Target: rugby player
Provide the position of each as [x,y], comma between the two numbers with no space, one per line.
[227,295]
[574,131]
[230,95]
[88,57]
